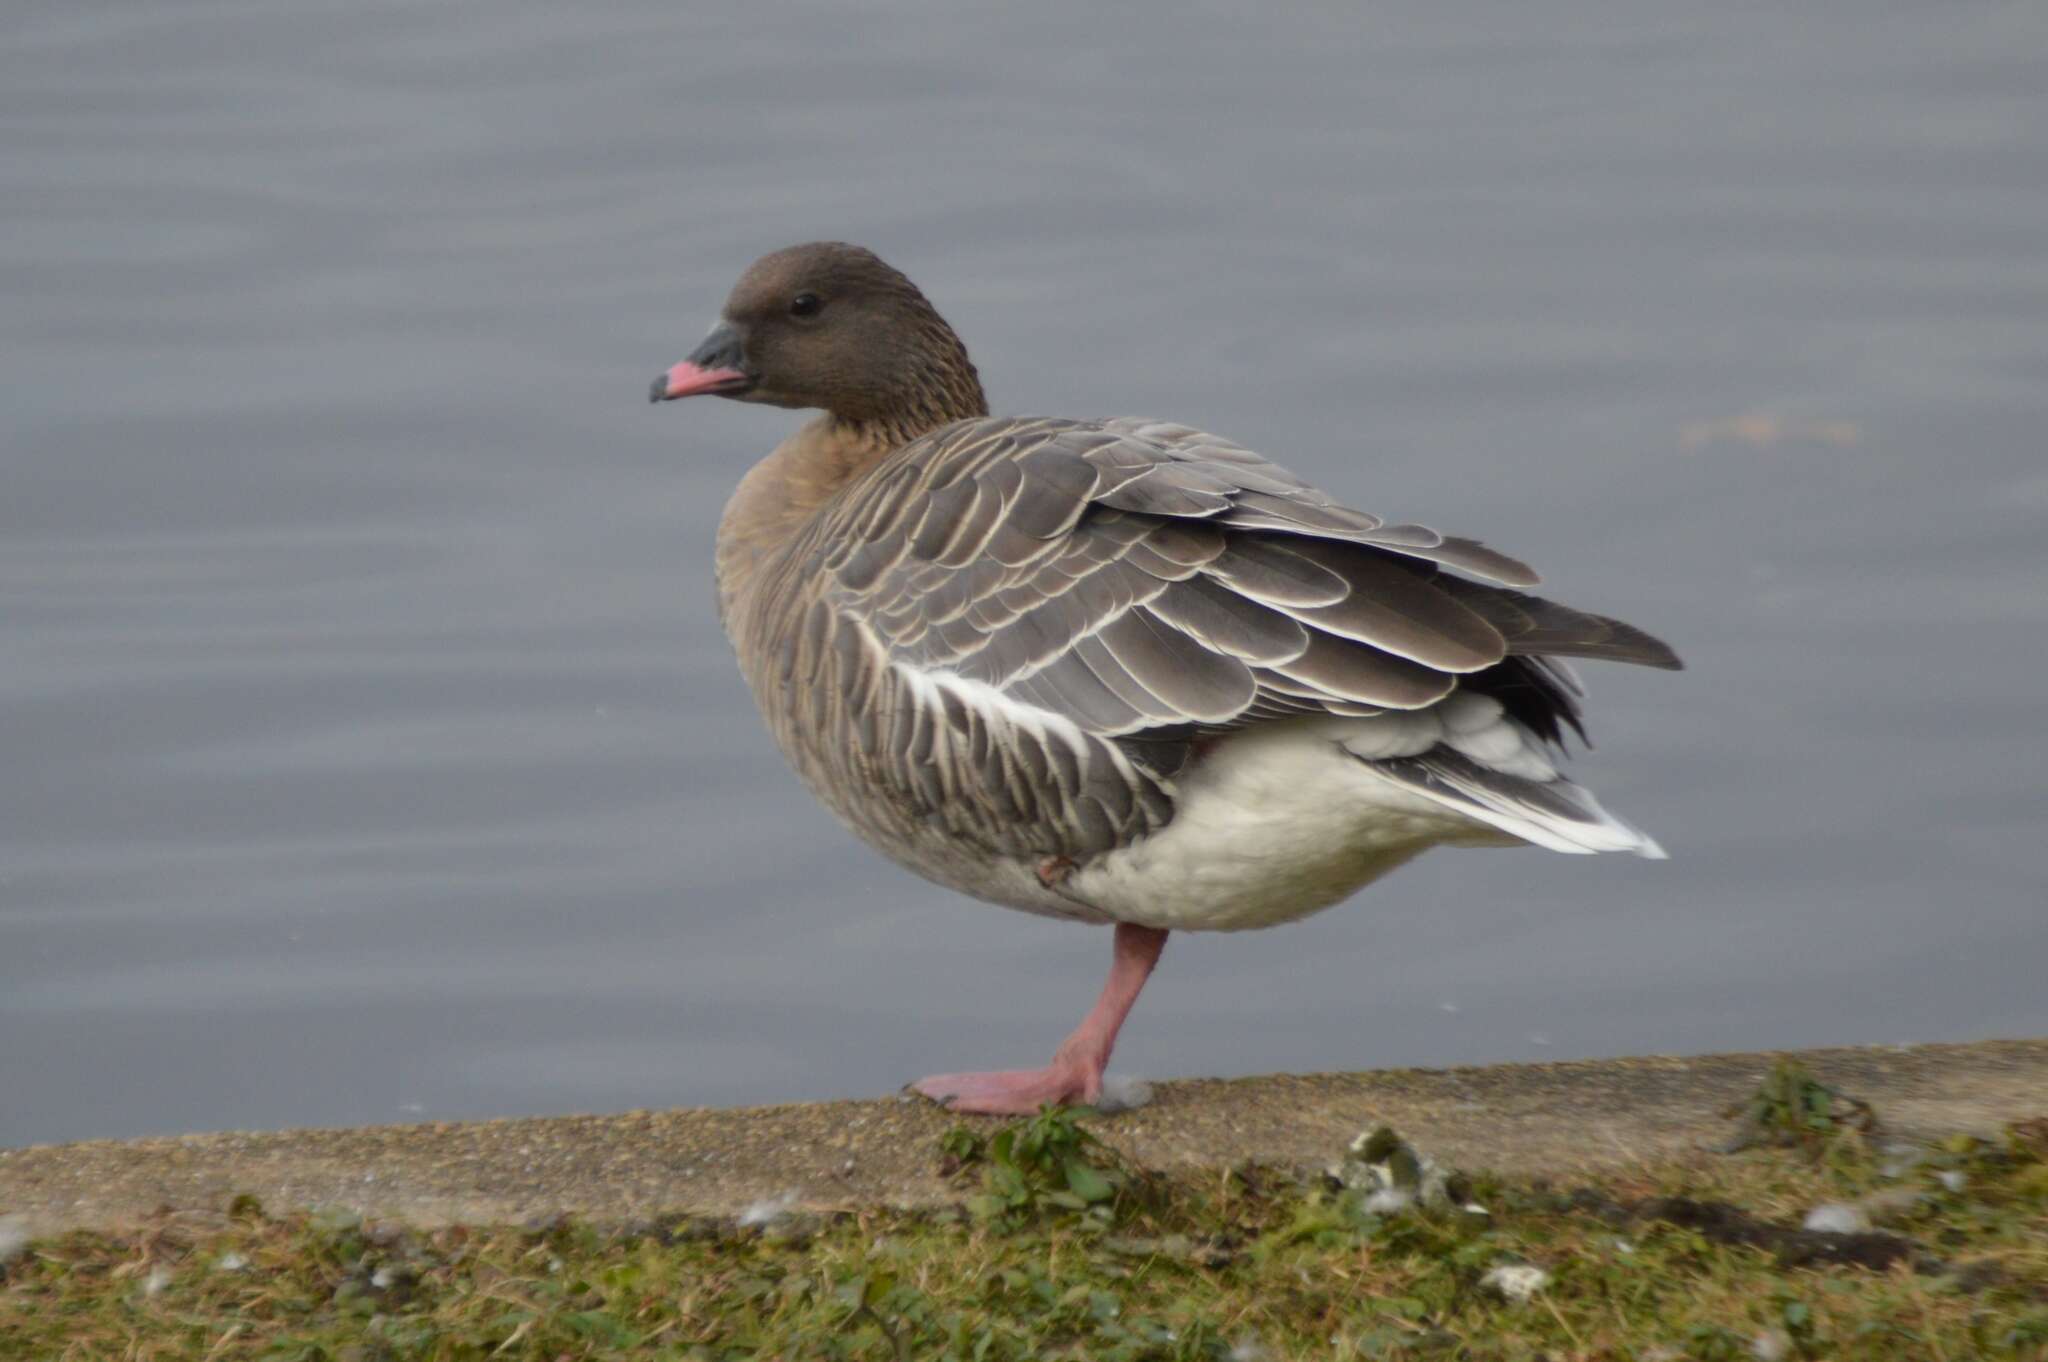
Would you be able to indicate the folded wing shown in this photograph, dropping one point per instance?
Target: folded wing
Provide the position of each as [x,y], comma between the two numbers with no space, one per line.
[1085,599]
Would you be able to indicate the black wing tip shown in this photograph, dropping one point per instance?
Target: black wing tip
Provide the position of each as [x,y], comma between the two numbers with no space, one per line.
[1652,651]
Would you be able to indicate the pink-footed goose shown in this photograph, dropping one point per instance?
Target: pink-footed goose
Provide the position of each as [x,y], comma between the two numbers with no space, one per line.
[1114,671]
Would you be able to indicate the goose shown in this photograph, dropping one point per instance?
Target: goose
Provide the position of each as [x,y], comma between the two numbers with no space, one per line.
[1113,671]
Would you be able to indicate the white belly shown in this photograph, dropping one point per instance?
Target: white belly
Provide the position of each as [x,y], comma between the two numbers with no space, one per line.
[1273,824]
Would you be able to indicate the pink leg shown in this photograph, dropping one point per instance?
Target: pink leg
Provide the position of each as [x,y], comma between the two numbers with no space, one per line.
[1075,1074]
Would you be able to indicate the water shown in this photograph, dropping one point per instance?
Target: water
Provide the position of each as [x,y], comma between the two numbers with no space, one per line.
[369,750]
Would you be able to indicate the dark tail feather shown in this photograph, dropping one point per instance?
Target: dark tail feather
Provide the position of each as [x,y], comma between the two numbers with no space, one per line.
[1534,626]
[1539,694]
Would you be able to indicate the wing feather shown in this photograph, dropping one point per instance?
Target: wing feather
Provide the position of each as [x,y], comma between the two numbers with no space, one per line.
[1399,612]
[1194,683]
[1225,622]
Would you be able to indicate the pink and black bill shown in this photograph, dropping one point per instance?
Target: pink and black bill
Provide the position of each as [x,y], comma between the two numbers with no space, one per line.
[716,366]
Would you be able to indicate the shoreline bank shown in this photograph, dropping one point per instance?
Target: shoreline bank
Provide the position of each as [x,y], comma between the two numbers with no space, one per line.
[1564,1119]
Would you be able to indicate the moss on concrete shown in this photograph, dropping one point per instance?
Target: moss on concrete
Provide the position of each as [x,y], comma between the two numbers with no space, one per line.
[1049,1244]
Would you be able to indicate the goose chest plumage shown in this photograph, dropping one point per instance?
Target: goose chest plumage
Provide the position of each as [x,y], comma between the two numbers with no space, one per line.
[1118,671]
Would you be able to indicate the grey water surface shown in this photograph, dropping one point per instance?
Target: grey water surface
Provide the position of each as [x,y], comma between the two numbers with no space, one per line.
[369,749]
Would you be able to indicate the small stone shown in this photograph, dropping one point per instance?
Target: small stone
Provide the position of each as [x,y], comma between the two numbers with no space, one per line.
[1953,1179]
[1772,1345]
[1381,1161]
[232,1262]
[1837,1217]
[1516,1283]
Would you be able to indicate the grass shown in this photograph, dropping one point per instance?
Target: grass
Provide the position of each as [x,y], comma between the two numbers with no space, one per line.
[1059,1250]
[1792,1107]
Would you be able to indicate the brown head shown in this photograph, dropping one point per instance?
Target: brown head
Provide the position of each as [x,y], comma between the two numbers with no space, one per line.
[830,325]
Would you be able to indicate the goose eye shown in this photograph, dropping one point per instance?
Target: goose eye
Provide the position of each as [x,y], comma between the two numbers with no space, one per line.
[805,305]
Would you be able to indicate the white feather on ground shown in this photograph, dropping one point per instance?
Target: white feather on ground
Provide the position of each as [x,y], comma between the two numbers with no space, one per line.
[13,1238]
[768,1210]
[1123,1092]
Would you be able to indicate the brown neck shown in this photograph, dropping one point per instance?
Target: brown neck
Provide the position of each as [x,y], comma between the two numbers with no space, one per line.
[945,388]
[780,494]
[783,491]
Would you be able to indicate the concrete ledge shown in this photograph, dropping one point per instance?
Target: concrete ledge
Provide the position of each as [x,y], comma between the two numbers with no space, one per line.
[1564,1119]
